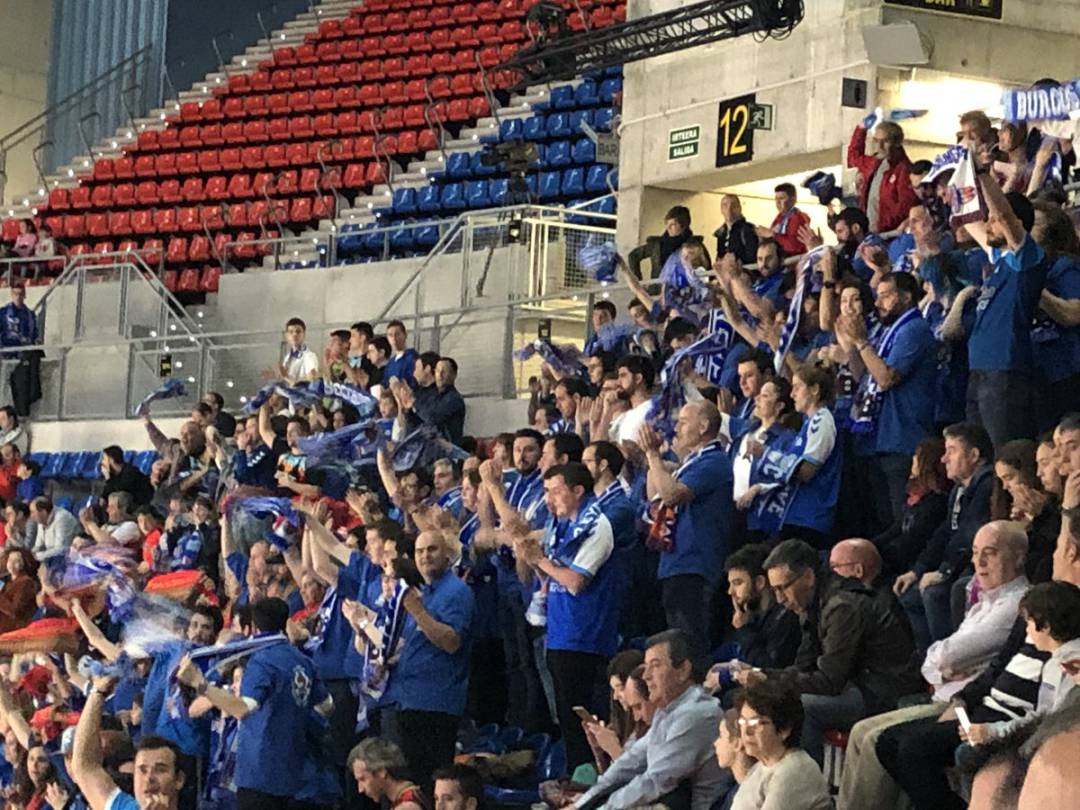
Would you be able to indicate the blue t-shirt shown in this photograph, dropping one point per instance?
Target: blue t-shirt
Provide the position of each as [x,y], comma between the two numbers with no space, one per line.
[426,678]
[702,524]
[369,579]
[812,503]
[1056,347]
[401,367]
[275,741]
[334,638]
[621,514]
[161,715]
[586,621]
[1001,340]
[907,409]
[121,801]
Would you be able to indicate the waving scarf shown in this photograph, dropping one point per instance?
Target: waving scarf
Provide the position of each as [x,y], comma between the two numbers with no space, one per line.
[285,528]
[98,566]
[1053,103]
[711,349]
[965,198]
[170,389]
[803,275]
[565,359]
[390,619]
[683,291]
[598,259]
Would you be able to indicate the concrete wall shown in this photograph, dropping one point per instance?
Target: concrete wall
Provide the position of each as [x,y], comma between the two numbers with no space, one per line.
[24,72]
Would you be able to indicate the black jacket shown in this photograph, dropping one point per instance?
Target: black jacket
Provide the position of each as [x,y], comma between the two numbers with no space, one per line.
[741,239]
[130,479]
[849,636]
[443,409]
[901,544]
[770,639]
[949,549]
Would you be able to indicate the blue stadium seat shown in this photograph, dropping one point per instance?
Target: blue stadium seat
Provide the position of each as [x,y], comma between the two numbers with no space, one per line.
[500,191]
[558,155]
[476,194]
[586,94]
[458,165]
[65,502]
[479,169]
[541,156]
[50,468]
[426,236]
[144,460]
[596,178]
[602,119]
[374,241]
[510,737]
[604,206]
[558,125]
[453,197]
[404,201]
[401,239]
[573,182]
[511,129]
[584,151]
[38,458]
[535,128]
[90,466]
[576,119]
[615,70]
[129,456]
[428,200]
[549,185]
[608,89]
[563,97]
[71,465]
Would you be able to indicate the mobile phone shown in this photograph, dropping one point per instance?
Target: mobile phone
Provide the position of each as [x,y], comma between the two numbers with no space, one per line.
[962,717]
[584,714]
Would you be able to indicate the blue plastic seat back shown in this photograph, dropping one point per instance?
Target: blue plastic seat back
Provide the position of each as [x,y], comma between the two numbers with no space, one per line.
[458,164]
[562,97]
[573,182]
[576,119]
[534,128]
[65,502]
[584,151]
[478,167]
[608,89]
[553,764]
[428,200]
[453,197]
[476,194]
[510,737]
[587,94]
[549,185]
[426,236]
[144,460]
[374,241]
[596,177]
[558,154]
[500,191]
[402,238]
[558,125]
[50,466]
[510,129]
[38,458]
[405,201]
[90,466]
[605,206]
[602,119]
[72,465]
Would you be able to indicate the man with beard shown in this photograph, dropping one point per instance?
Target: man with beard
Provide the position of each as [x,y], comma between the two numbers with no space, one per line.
[895,402]
[636,376]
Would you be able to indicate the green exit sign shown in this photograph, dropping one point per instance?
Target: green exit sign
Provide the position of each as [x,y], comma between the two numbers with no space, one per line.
[684,142]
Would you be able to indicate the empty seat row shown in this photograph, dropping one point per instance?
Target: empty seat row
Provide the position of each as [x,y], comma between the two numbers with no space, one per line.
[587,93]
[559,125]
[86,464]
[369,71]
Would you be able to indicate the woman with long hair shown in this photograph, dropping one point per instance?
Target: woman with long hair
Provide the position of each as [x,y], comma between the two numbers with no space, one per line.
[927,498]
[608,740]
[1018,495]
[32,778]
[18,597]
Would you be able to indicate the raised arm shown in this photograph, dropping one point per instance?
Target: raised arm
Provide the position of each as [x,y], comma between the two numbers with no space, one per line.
[93,634]
[86,759]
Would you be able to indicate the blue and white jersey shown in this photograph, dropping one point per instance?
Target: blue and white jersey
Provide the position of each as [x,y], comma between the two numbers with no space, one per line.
[812,503]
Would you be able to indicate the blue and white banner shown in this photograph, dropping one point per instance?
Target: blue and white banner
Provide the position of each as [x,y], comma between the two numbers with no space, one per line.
[802,284]
[1042,103]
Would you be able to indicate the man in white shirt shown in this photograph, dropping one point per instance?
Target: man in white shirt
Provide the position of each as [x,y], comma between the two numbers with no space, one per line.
[120,528]
[636,376]
[998,551]
[56,527]
[300,363]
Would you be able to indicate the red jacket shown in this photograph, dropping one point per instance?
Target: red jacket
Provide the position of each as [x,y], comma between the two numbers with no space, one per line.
[896,197]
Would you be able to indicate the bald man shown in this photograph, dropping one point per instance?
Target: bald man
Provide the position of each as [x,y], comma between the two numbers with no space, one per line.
[1051,777]
[856,558]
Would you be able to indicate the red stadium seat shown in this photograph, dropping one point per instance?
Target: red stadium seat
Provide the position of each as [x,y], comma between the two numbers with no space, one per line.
[103,170]
[142,222]
[279,129]
[209,161]
[296,154]
[233,107]
[324,125]
[190,137]
[152,251]
[397,21]
[479,107]
[236,215]
[374,24]
[439,87]
[256,131]
[392,119]
[413,117]
[372,95]
[188,218]
[407,143]
[59,199]
[147,141]
[309,180]
[372,70]
[395,45]
[364,147]
[169,139]
[189,111]
[304,77]
[188,281]
[252,157]
[417,42]
[120,223]
[488,33]
[300,128]
[124,194]
[287,183]
[306,54]
[165,220]
[256,106]
[217,188]
[275,155]
[103,247]
[212,110]
[346,98]
[355,175]
[210,278]
[323,99]
[169,191]
[146,193]
[285,56]
[440,40]
[199,250]
[165,164]
[323,207]
[282,79]
[263,182]
[211,135]
[187,163]
[127,246]
[212,217]
[170,278]
[144,166]
[177,252]
[230,160]
[238,84]
[347,123]
[74,226]
[300,210]
[464,36]
[192,190]
[427,141]
[124,168]
[97,225]
[239,187]
[260,81]
[233,132]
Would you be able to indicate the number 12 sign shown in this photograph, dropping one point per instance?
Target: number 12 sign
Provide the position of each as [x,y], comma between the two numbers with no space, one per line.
[734,135]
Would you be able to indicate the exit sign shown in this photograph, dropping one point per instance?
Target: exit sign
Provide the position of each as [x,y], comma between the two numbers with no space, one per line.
[684,142]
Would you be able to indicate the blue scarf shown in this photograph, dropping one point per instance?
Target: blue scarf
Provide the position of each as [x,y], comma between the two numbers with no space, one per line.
[683,291]
[1042,103]
[598,259]
[390,619]
[868,400]
[802,285]
[287,522]
[564,359]
[170,389]
[662,519]
[359,398]
[711,349]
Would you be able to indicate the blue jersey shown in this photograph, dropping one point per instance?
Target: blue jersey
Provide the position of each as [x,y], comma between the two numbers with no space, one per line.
[907,409]
[1001,340]
[812,503]
[334,635]
[276,740]
[703,524]
[1056,347]
[161,713]
[451,502]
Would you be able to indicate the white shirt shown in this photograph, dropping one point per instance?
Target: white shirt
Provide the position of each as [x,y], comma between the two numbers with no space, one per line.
[625,428]
[301,364]
[793,783]
[743,461]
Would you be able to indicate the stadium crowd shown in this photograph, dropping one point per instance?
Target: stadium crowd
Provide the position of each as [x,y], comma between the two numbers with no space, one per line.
[800,500]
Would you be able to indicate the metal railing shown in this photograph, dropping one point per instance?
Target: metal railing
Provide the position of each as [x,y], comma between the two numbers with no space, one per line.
[111,327]
[95,111]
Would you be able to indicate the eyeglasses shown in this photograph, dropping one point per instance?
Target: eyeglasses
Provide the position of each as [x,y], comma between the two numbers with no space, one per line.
[779,589]
[753,722]
[837,566]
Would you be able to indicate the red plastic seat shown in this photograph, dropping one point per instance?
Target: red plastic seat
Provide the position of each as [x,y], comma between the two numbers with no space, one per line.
[146,193]
[439,87]
[364,147]
[465,60]
[147,141]
[395,45]
[151,251]
[279,129]
[323,99]
[165,220]
[394,67]
[74,226]
[323,207]
[417,42]
[188,218]
[255,131]
[239,84]
[252,157]
[239,187]
[210,278]
[233,132]
[230,160]
[236,215]
[427,141]
[285,56]
[97,225]
[124,194]
[282,79]
[324,125]
[375,24]
[190,137]
[169,191]
[142,222]
[309,180]
[217,188]
[287,183]
[165,164]
[187,163]
[461,85]
[397,21]
[419,19]
[170,278]
[296,154]
[355,175]
[347,123]
[512,31]
[277,104]
[255,106]
[327,52]
[416,90]
[440,40]
[304,77]
[488,33]
[300,210]
[177,252]
[189,111]
[211,135]
[209,161]
[489,57]
[192,190]
[59,200]
[407,143]
[263,182]
[103,170]
[300,128]
[124,168]
[199,250]
[169,139]
[350,50]
[458,110]
[144,166]
[103,247]
[392,119]
[479,107]
[331,29]
[188,281]
[306,54]
[257,213]
[260,81]
[413,117]
[119,223]
[345,98]
[274,154]
[127,245]
[245,248]
[464,36]
[372,95]
[212,110]
[233,107]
